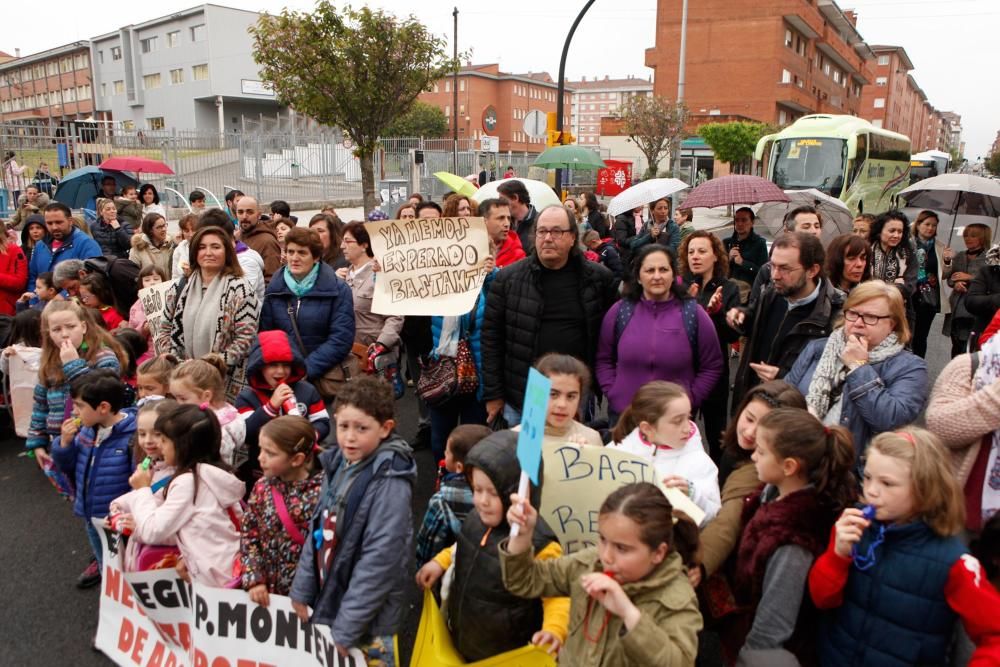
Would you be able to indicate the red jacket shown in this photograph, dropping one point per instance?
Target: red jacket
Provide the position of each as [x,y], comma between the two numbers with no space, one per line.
[510,251]
[13,278]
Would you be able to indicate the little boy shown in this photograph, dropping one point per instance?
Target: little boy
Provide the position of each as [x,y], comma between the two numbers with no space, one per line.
[94,446]
[276,374]
[448,508]
[45,291]
[354,562]
[606,251]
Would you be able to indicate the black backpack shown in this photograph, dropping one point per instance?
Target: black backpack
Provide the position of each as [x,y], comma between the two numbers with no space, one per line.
[122,275]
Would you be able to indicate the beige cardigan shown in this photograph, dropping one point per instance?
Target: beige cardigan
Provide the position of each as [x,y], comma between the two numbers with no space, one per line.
[960,416]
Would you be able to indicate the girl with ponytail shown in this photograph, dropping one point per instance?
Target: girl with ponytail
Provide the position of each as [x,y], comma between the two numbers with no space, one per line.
[806,471]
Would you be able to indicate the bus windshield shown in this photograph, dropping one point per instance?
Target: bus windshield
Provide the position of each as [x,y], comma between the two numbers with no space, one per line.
[810,163]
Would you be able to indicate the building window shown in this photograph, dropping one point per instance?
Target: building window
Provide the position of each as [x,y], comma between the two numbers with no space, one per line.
[81,61]
[447,86]
[116,53]
[786,76]
[128,125]
[879,102]
[877,122]
[118,87]
[782,117]
[100,57]
[447,110]
[788,38]
[176,76]
[199,72]
[155,123]
[883,60]
[104,90]
[173,38]
[461,85]
[836,76]
[148,45]
[52,67]
[197,33]
[437,89]
[881,80]
[39,71]
[151,81]
[83,92]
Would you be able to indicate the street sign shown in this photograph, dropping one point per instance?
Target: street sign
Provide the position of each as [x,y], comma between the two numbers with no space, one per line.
[535,124]
[489,144]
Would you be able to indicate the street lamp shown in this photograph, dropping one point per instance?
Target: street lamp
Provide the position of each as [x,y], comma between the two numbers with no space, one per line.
[562,85]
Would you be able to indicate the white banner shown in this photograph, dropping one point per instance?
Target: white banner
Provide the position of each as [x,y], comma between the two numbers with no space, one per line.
[153,301]
[156,619]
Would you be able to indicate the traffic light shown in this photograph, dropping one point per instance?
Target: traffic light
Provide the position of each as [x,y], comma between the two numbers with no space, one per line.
[553,136]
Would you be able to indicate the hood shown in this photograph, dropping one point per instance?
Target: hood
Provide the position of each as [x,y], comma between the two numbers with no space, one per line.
[260,229]
[33,219]
[496,456]
[226,487]
[141,242]
[273,347]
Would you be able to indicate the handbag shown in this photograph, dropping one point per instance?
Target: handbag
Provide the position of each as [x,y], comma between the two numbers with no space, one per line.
[445,377]
[929,295]
[330,382]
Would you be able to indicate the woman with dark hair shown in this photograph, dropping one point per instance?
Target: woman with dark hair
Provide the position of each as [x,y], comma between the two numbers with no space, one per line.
[590,212]
[213,310]
[150,200]
[656,332]
[847,262]
[963,268]
[705,268]
[457,206]
[931,257]
[329,228]
[153,246]
[307,289]
[891,258]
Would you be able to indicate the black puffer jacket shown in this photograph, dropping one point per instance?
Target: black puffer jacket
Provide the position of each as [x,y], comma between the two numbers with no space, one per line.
[983,297]
[514,310]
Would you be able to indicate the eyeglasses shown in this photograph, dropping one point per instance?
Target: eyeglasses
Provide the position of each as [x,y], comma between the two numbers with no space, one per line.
[555,233]
[784,270]
[868,318]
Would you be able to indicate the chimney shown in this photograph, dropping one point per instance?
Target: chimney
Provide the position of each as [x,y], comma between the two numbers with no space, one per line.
[852,17]
[606,77]
[17,53]
[584,78]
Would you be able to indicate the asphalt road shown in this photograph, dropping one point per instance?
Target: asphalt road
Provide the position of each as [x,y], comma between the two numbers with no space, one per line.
[47,621]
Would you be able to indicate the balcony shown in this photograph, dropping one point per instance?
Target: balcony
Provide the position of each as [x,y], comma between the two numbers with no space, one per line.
[802,24]
[795,98]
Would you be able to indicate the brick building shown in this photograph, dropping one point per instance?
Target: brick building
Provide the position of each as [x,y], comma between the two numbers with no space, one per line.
[597,98]
[773,62]
[47,88]
[494,103]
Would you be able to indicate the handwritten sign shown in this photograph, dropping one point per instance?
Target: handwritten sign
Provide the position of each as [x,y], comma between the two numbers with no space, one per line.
[529,439]
[153,301]
[576,480]
[429,266]
[155,618]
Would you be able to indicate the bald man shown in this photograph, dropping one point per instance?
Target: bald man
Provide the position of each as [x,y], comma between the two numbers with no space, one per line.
[259,237]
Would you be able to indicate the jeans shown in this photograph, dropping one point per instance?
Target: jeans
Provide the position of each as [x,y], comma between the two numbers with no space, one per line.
[512,415]
[444,418]
[96,544]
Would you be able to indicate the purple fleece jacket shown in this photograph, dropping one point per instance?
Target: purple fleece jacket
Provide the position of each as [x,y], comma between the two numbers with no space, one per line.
[654,346]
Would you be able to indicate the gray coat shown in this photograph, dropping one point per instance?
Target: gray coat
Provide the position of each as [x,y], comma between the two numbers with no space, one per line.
[363,593]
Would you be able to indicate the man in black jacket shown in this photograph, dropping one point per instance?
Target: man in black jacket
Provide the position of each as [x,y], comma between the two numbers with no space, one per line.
[551,301]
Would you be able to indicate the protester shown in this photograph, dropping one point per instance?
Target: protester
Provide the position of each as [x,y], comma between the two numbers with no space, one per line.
[63,242]
[45,290]
[628,226]
[249,259]
[591,215]
[571,386]
[630,596]
[847,262]
[684,217]
[457,206]
[862,377]
[95,293]
[523,214]
[129,207]
[805,219]
[113,235]
[259,236]
[152,377]
[179,266]
[747,250]
[31,202]
[329,228]
[862,225]
[197,200]
[13,175]
[606,251]
[484,619]
[150,200]
[896,582]
[153,245]
[149,276]
[933,259]
[33,233]
[13,275]
[892,259]
[963,269]
[230,199]
[496,214]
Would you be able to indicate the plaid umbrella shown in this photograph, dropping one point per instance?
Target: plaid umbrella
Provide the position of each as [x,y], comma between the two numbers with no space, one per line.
[734,190]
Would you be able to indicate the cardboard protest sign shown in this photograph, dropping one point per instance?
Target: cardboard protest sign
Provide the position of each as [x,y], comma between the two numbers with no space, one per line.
[429,266]
[153,301]
[575,482]
[155,618]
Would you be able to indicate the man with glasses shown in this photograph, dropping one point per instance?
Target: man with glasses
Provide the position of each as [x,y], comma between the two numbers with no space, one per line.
[798,306]
[552,301]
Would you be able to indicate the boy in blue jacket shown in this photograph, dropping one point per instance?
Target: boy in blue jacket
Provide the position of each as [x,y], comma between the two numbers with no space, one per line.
[94,450]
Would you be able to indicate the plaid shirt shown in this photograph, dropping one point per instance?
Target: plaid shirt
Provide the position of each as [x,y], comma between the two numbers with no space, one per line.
[446,511]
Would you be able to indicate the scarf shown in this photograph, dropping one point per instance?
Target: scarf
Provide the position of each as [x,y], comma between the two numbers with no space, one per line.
[886,266]
[828,378]
[301,287]
[987,374]
[202,311]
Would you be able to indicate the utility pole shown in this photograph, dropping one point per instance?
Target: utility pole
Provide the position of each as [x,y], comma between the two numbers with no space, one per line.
[562,84]
[680,87]
[454,106]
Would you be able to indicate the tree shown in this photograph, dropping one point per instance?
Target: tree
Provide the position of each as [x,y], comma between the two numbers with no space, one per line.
[734,143]
[358,70]
[993,163]
[654,124]
[421,120]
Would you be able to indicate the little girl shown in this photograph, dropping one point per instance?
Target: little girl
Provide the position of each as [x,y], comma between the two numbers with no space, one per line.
[896,575]
[19,366]
[806,468]
[570,381]
[70,348]
[95,292]
[150,275]
[202,381]
[657,426]
[200,506]
[280,507]
[140,556]
[152,378]
[631,601]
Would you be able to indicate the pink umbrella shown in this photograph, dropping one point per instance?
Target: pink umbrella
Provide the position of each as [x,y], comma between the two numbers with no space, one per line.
[137,164]
[729,190]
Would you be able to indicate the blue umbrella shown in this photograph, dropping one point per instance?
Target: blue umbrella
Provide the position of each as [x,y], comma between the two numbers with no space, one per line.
[81,186]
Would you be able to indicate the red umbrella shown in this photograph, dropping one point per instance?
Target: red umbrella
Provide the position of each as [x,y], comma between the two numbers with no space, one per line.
[734,190]
[137,164]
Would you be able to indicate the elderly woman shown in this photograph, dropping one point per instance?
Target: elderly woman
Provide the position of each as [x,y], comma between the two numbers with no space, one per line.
[847,262]
[153,247]
[960,323]
[931,258]
[964,411]
[329,228]
[213,310]
[308,301]
[862,377]
[111,233]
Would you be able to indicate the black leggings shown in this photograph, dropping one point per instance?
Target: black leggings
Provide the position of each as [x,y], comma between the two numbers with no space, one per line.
[922,326]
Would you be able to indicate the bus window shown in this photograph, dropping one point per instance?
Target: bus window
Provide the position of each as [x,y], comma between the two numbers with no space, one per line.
[810,163]
[859,158]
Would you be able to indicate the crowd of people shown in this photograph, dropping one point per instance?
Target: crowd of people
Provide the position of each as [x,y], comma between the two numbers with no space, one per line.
[248,435]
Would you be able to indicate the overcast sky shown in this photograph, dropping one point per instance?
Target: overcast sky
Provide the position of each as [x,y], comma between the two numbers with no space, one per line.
[953,45]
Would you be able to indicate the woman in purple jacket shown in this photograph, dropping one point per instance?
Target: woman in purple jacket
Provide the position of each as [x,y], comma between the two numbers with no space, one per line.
[656,332]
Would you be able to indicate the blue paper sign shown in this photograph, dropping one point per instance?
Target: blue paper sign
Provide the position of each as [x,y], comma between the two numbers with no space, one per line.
[529,440]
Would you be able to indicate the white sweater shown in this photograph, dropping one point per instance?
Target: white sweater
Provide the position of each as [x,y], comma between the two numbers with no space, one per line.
[690,462]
